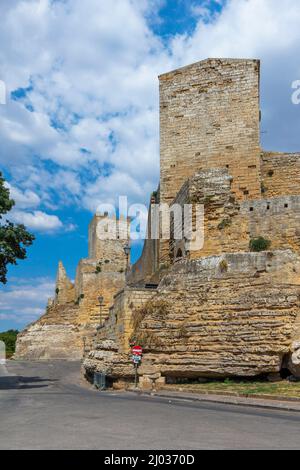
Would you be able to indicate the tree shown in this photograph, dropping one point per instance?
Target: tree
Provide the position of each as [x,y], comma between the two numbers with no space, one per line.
[14,238]
[9,338]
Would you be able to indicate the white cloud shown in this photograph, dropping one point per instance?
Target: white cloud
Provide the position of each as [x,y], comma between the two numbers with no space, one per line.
[97,81]
[23,199]
[24,300]
[94,74]
[37,220]
[264,29]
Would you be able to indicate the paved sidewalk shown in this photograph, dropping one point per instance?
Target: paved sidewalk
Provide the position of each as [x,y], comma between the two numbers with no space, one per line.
[284,405]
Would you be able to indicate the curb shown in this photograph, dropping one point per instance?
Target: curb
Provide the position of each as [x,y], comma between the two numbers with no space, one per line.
[225,400]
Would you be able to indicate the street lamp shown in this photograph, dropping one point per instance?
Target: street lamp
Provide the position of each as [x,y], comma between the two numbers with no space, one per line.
[127,253]
[101,303]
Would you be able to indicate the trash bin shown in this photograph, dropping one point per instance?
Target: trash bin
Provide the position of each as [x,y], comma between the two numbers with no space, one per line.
[100,380]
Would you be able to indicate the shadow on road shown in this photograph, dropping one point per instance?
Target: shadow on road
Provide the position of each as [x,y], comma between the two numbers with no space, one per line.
[20,382]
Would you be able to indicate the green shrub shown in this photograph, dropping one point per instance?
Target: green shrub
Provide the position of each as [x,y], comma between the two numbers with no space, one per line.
[223,266]
[9,338]
[259,244]
[225,223]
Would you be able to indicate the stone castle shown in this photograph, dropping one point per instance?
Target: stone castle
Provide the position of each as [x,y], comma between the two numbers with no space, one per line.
[225,310]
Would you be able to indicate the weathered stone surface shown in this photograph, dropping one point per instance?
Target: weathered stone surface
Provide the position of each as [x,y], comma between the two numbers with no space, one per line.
[238,322]
[280,174]
[72,317]
[44,342]
[111,347]
[294,359]
[220,311]
[65,290]
[208,322]
[209,118]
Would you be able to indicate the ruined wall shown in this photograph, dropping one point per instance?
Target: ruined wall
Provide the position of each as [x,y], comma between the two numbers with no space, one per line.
[110,352]
[145,269]
[276,219]
[90,284]
[209,118]
[280,174]
[65,290]
[109,249]
[74,314]
[232,315]
[224,229]
[119,326]
[230,225]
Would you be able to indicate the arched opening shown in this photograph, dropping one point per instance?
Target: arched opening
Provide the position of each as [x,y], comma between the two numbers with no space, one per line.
[179,254]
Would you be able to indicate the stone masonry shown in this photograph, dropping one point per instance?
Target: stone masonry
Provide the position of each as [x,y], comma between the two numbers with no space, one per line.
[222,310]
[73,316]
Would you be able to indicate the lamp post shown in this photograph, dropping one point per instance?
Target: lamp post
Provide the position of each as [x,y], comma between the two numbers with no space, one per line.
[127,253]
[101,303]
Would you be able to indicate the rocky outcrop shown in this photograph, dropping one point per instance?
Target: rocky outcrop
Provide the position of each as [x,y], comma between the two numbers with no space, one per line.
[293,364]
[57,335]
[107,359]
[43,342]
[230,315]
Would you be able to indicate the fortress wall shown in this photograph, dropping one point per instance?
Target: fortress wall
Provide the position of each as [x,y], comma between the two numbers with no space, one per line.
[280,174]
[126,303]
[276,219]
[110,352]
[209,118]
[91,284]
[224,229]
[229,225]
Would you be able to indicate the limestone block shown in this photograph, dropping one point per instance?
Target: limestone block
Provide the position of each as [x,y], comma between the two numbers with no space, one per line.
[294,359]
[160,383]
[146,383]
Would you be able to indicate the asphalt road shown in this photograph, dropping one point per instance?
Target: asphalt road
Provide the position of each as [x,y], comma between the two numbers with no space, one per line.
[43,406]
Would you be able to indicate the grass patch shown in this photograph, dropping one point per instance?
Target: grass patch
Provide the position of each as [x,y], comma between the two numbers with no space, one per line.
[283,389]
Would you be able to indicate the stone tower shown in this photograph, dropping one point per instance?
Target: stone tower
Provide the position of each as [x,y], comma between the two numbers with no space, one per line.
[107,240]
[209,118]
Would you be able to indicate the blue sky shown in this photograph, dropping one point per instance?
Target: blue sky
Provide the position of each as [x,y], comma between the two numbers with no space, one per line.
[80,126]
